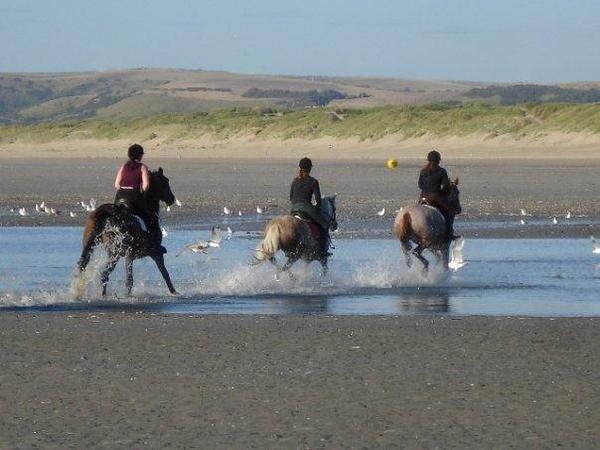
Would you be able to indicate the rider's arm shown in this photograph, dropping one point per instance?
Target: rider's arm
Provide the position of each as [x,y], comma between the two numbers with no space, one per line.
[145,178]
[119,178]
[444,181]
[421,181]
[291,190]
[317,194]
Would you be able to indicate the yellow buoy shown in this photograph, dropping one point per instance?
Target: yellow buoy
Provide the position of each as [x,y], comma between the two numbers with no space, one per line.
[392,163]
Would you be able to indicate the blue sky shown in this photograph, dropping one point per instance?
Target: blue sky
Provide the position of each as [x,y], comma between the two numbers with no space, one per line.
[508,40]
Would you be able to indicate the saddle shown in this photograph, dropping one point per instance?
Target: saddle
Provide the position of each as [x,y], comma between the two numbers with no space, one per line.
[126,206]
[315,230]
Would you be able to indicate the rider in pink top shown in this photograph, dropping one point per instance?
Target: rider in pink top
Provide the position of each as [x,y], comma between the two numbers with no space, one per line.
[132,183]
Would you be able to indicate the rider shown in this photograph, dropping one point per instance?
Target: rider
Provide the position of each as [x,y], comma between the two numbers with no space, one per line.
[132,184]
[303,188]
[435,185]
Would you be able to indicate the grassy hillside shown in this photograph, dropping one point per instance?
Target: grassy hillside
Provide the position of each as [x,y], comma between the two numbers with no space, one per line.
[371,123]
[31,98]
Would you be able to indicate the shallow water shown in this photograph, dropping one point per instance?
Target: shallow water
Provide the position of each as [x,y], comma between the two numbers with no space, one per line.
[538,277]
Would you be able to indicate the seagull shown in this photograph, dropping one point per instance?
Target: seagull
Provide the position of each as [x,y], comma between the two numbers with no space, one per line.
[42,205]
[92,204]
[259,210]
[23,212]
[568,216]
[47,210]
[523,212]
[240,213]
[226,210]
[82,203]
[178,202]
[457,260]
[555,221]
[163,230]
[596,245]
[37,208]
[229,233]
[72,214]
[381,213]
[523,222]
[52,211]
[202,246]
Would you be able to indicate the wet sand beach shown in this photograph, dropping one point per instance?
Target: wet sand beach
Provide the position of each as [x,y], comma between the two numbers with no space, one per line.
[129,380]
[492,192]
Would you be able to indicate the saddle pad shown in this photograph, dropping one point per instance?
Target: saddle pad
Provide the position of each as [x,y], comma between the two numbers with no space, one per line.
[142,223]
[314,230]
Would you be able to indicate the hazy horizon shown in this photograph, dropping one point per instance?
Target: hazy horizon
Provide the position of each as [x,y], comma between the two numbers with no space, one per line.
[547,41]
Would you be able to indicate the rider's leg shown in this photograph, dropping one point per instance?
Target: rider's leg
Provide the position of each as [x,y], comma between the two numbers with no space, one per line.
[325,240]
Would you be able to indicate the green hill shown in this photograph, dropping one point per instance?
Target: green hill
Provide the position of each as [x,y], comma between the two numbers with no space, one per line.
[367,123]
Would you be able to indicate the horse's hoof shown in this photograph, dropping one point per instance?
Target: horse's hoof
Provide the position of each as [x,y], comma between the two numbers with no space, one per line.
[174,294]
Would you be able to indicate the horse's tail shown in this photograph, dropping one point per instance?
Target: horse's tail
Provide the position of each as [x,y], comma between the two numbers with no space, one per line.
[96,221]
[267,248]
[403,228]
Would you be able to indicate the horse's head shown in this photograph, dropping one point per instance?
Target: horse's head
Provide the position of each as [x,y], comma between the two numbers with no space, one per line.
[454,197]
[160,188]
[328,211]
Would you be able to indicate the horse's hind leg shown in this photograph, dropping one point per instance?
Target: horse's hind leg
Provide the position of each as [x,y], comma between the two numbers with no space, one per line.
[418,253]
[287,266]
[406,248]
[106,271]
[128,275]
[160,263]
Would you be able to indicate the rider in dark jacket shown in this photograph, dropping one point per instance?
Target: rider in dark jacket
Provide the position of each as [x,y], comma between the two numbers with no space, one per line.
[435,184]
[303,189]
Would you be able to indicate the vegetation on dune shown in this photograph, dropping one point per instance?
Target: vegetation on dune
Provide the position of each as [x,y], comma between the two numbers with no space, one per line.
[363,124]
[534,93]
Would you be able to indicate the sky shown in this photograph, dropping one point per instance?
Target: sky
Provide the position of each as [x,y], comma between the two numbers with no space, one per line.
[480,40]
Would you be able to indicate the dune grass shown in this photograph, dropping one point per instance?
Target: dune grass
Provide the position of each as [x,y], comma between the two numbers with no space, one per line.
[364,124]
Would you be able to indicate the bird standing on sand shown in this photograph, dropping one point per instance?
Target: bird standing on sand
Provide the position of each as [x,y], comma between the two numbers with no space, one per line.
[226,210]
[381,213]
[259,210]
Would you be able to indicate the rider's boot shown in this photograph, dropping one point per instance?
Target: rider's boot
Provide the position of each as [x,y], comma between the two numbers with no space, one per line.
[155,235]
[325,240]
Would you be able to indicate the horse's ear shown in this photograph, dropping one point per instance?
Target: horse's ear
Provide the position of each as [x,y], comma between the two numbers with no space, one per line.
[160,171]
[456,181]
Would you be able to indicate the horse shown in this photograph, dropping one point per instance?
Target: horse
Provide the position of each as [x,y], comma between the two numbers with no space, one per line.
[123,235]
[293,236]
[426,227]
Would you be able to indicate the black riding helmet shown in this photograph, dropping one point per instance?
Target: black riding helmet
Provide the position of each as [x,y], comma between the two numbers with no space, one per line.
[434,156]
[305,164]
[136,151]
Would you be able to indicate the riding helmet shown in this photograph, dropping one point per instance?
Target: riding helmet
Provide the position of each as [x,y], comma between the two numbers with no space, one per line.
[135,152]
[305,164]
[434,156]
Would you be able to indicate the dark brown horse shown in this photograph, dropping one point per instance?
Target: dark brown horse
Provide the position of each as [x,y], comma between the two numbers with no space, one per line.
[124,236]
[425,226]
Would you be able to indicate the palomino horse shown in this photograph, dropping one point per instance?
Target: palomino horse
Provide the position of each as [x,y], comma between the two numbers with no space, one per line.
[425,226]
[122,235]
[294,237]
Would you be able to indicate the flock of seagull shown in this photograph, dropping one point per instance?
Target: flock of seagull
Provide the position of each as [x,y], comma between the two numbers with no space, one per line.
[216,235]
[42,208]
